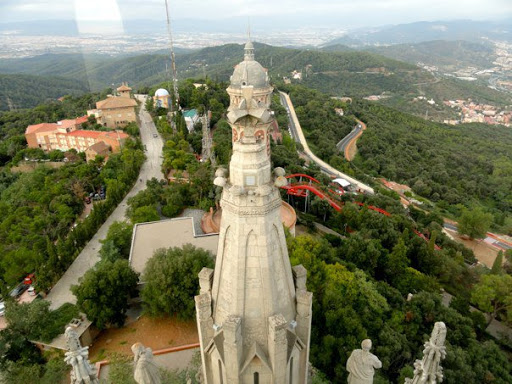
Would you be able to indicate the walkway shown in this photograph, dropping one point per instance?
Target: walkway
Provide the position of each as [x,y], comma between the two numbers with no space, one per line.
[298,135]
[61,292]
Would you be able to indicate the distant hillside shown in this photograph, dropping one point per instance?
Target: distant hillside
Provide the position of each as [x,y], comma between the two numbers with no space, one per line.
[427,31]
[26,91]
[448,55]
[347,73]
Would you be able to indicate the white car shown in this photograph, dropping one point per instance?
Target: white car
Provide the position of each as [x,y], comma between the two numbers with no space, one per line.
[2,308]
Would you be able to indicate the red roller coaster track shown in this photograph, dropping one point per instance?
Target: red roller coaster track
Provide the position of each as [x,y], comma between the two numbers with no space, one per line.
[300,189]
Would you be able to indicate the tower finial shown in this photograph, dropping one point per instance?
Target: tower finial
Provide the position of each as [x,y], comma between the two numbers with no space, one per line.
[249,48]
[248,28]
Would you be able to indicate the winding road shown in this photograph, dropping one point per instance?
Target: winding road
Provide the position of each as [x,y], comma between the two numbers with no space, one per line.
[61,292]
[298,136]
[349,140]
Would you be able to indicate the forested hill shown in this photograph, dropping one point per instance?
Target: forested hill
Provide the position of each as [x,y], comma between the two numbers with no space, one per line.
[346,73]
[449,55]
[102,71]
[453,166]
[27,91]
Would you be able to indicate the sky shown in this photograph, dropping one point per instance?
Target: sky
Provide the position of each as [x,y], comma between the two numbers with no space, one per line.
[350,13]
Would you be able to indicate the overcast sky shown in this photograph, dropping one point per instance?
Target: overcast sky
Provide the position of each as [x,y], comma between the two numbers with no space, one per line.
[351,13]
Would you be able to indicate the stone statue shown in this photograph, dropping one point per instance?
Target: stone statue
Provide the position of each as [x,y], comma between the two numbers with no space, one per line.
[78,357]
[428,370]
[145,369]
[361,364]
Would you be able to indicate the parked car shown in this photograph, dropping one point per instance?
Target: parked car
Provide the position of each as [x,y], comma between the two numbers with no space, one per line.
[2,308]
[18,290]
[155,135]
[29,279]
[31,291]
[87,200]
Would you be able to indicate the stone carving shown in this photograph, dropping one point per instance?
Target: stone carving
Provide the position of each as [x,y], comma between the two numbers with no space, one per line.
[145,369]
[78,357]
[361,364]
[428,370]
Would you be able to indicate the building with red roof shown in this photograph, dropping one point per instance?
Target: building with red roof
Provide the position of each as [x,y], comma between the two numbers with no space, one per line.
[65,135]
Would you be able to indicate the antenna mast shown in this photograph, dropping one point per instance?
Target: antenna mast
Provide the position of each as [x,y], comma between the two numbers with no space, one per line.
[176,101]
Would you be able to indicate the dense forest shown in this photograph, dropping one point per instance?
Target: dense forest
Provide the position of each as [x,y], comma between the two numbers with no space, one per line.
[361,280]
[39,208]
[448,55]
[28,91]
[345,73]
[453,166]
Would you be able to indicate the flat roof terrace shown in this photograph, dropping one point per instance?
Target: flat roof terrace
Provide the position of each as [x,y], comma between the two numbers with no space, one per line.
[148,237]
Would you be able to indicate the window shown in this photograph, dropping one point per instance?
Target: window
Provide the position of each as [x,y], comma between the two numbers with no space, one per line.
[250,180]
[291,370]
[220,372]
[256,378]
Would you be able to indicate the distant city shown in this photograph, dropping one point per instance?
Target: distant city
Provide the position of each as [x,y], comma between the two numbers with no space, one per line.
[16,45]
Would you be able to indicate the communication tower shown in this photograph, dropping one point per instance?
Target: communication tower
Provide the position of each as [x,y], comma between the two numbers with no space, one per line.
[176,102]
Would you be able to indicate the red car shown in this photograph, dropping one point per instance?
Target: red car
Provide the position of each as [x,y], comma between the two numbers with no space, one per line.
[29,279]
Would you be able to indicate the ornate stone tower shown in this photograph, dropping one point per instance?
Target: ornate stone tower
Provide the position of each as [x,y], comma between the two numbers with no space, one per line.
[253,311]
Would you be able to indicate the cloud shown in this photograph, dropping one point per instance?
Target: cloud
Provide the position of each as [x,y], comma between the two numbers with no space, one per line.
[361,12]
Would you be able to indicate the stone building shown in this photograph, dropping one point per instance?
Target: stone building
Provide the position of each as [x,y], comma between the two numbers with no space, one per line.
[115,111]
[65,135]
[253,310]
[124,91]
[98,149]
[162,99]
[36,134]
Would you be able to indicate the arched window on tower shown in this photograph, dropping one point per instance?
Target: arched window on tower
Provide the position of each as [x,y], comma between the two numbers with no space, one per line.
[291,371]
[256,378]
[220,372]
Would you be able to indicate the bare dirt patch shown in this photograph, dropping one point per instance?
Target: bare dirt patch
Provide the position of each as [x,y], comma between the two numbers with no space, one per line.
[156,333]
[484,253]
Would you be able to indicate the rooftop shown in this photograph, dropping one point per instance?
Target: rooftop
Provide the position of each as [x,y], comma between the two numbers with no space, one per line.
[148,237]
[115,102]
[41,127]
[81,325]
[84,133]
[124,88]
[190,113]
[99,147]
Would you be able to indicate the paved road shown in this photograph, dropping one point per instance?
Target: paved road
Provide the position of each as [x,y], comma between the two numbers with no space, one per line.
[298,136]
[61,293]
[342,144]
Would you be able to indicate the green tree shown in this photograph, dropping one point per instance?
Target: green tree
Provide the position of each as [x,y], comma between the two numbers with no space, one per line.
[145,214]
[475,223]
[104,291]
[493,294]
[170,280]
[497,266]
[120,234]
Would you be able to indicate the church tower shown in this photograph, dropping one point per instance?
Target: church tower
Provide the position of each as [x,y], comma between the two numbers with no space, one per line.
[253,310]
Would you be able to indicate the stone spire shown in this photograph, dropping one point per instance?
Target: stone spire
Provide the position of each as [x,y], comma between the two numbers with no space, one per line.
[78,357]
[429,370]
[253,311]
